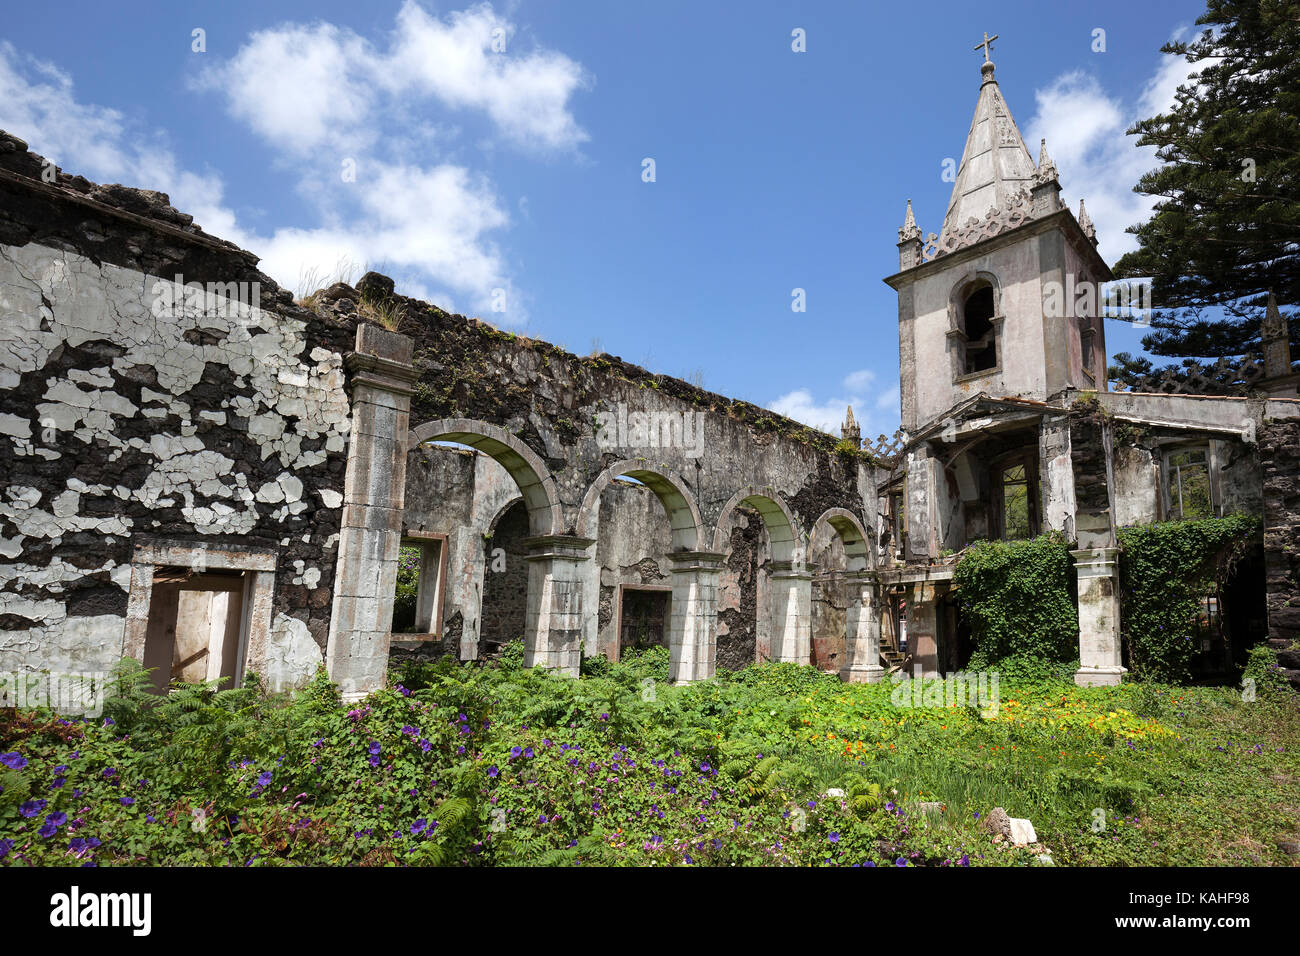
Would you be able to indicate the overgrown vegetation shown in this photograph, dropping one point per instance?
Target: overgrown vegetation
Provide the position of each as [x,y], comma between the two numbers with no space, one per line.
[778,764]
[1166,571]
[1018,597]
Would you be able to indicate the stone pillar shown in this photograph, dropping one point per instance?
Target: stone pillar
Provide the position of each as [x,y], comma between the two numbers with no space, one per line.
[790,597]
[1099,642]
[553,628]
[693,616]
[862,629]
[923,627]
[381,378]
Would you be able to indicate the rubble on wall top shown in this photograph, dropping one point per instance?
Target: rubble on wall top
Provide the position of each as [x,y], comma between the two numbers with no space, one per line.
[18,159]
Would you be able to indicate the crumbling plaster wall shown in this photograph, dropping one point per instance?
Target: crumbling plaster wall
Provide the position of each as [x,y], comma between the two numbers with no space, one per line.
[125,416]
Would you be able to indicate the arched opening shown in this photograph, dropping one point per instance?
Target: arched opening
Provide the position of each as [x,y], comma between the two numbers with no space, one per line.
[639,518]
[978,310]
[765,591]
[505,580]
[841,600]
[480,493]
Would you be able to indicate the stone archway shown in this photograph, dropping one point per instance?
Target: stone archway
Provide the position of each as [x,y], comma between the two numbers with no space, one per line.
[693,613]
[553,620]
[862,594]
[789,607]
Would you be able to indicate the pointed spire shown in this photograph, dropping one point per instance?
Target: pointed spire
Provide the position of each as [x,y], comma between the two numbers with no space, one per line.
[1046,168]
[850,430]
[1273,324]
[996,168]
[910,230]
[1085,223]
[1279,381]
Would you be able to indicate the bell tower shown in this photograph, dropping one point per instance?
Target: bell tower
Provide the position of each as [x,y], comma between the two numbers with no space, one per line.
[1003,301]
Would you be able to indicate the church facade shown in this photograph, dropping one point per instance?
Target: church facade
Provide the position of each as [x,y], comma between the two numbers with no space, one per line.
[202,474]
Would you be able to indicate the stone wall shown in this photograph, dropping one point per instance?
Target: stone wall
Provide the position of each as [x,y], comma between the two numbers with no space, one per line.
[153,386]
[1279,452]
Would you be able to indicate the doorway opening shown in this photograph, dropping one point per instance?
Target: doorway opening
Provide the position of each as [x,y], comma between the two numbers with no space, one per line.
[197,627]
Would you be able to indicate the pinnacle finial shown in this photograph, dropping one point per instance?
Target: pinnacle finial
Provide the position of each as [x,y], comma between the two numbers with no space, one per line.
[987,45]
[1085,223]
[910,230]
[1272,317]
[850,430]
[1046,171]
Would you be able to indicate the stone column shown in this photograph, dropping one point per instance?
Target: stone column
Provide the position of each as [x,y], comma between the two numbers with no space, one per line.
[862,629]
[1099,642]
[790,597]
[381,377]
[923,627]
[693,616]
[553,626]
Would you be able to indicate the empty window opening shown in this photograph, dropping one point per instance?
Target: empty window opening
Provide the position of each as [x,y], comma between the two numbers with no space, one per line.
[643,618]
[1016,490]
[417,601]
[1187,485]
[196,627]
[977,322]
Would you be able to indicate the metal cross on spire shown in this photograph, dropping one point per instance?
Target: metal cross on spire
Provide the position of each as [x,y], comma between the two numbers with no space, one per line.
[987,44]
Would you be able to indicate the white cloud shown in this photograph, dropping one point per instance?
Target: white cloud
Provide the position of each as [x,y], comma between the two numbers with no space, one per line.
[304,87]
[1086,136]
[876,409]
[318,95]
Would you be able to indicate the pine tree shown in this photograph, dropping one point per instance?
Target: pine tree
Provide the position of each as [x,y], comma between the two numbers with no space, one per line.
[1226,228]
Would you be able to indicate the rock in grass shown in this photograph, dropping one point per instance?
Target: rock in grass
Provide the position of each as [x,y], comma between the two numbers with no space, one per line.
[998,823]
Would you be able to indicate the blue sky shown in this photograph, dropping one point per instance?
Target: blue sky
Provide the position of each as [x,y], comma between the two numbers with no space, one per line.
[514,177]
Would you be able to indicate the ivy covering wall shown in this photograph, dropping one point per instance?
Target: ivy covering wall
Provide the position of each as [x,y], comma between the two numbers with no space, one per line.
[1166,570]
[1019,599]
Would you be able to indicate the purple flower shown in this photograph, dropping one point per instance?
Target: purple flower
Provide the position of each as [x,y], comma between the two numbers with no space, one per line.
[14,760]
[604,716]
[403,691]
[58,782]
[374,761]
[493,771]
[426,745]
[5,847]
[515,752]
[31,808]
[264,778]
[374,747]
[528,751]
[901,861]
[964,861]
[47,830]
[418,826]
[109,771]
[127,801]
[834,838]
[869,863]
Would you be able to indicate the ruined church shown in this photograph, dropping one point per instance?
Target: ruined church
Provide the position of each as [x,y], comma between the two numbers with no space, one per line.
[205,475]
